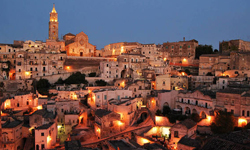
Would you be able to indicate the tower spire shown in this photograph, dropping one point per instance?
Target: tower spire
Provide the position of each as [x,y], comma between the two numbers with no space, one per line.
[53,9]
[53,24]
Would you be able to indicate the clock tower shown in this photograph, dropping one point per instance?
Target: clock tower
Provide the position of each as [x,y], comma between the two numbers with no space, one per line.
[53,24]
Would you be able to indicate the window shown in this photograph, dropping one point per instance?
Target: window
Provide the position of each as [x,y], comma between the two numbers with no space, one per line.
[19,70]
[188,46]
[243,113]
[180,46]
[172,47]
[247,113]
[223,81]
[149,52]
[105,97]
[166,47]
[107,65]
[176,134]
[42,134]
[232,111]
[163,83]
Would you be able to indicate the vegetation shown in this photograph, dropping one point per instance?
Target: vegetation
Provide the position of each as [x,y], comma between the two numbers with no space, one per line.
[195,117]
[76,78]
[1,84]
[224,122]
[187,71]
[59,81]
[158,112]
[203,49]
[43,86]
[92,74]
[101,83]
[166,110]
[209,74]
[173,117]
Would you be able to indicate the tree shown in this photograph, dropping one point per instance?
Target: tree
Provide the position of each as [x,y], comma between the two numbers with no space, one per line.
[59,81]
[92,74]
[209,74]
[76,78]
[101,83]
[203,49]
[43,86]
[158,112]
[224,122]
[195,117]
[166,110]
[187,71]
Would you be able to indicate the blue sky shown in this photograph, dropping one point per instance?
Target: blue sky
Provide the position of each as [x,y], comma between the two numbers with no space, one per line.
[144,21]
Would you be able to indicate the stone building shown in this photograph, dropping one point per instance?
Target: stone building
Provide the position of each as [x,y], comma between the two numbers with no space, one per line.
[200,102]
[210,63]
[234,46]
[21,101]
[199,81]
[235,101]
[181,129]
[132,64]
[31,65]
[140,88]
[78,45]
[110,69]
[12,135]
[45,136]
[168,82]
[180,53]
[116,49]
[106,123]
[126,107]
[99,98]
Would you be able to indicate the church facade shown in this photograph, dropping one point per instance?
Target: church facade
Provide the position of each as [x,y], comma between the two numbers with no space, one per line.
[74,45]
[78,45]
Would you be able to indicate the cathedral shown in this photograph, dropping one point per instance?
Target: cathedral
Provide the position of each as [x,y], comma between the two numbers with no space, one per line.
[74,45]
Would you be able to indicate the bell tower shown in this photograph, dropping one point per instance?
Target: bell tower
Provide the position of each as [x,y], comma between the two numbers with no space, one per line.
[53,24]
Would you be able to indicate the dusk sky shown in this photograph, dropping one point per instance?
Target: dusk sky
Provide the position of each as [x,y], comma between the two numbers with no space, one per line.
[144,21]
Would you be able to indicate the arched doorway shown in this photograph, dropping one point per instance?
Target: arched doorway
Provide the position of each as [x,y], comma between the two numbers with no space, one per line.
[37,147]
[166,104]
[180,108]
[187,110]
[203,115]
[194,111]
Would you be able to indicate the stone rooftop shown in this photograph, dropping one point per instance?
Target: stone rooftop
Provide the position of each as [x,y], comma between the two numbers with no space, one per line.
[12,124]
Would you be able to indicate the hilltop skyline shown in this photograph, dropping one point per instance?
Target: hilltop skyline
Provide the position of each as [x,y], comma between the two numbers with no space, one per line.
[132,21]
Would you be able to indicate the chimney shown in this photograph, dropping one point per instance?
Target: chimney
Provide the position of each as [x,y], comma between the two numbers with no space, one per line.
[183,38]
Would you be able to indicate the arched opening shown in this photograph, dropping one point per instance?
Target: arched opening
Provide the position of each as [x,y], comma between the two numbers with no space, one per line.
[142,117]
[179,109]
[166,104]
[187,110]
[123,73]
[194,111]
[37,147]
[203,115]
